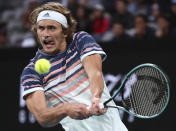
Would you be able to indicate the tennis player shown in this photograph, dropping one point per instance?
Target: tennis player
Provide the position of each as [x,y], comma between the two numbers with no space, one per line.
[75,80]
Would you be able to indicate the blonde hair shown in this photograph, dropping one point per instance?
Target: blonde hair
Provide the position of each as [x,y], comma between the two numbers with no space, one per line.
[55,6]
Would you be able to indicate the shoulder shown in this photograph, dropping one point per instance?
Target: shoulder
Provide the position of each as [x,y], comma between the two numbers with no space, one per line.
[29,74]
[28,69]
[81,34]
[82,38]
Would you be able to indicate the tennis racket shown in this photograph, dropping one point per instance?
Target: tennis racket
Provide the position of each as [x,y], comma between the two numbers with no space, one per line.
[148,92]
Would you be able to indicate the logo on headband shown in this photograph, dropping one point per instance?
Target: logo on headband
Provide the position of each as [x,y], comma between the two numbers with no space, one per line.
[46,15]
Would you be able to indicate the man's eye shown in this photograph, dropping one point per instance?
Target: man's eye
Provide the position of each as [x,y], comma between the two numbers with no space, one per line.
[41,28]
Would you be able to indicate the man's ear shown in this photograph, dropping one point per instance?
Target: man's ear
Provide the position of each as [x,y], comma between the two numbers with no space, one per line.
[64,32]
[65,35]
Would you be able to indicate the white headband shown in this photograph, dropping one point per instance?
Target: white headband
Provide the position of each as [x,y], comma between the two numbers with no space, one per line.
[52,15]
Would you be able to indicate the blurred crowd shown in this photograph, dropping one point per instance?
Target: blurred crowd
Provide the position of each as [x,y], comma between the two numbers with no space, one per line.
[105,20]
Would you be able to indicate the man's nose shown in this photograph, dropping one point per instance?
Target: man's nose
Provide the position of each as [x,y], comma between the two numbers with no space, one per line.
[46,33]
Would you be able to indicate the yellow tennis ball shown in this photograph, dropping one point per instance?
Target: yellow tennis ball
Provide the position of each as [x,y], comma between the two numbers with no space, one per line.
[42,66]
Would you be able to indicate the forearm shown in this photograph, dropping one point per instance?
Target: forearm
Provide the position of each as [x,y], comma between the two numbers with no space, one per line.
[46,116]
[51,116]
[97,87]
[96,84]
[93,67]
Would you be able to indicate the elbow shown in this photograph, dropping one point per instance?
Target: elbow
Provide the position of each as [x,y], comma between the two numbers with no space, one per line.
[46,125]
[44,122]
[97,74]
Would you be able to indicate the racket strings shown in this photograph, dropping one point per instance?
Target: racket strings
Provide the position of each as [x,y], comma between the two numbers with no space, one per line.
[162,90]
[148,94]
[155,88]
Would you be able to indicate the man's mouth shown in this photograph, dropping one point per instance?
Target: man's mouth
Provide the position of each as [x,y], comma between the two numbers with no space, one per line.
[48,42]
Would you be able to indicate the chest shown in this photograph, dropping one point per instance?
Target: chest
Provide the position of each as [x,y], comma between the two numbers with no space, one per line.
[63,69]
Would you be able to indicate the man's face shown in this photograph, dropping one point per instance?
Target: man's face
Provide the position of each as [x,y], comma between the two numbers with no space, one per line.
[51,36]
[117,29]
[120,7]
[173,8]
[140,23]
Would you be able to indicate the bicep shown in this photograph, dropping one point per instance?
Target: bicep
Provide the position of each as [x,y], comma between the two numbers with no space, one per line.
[36,102]
[92,64]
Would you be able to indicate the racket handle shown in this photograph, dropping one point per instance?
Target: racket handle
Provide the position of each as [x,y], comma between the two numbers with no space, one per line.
[101,105]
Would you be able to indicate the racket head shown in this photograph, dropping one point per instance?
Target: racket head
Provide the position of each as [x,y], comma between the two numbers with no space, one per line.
[144,91]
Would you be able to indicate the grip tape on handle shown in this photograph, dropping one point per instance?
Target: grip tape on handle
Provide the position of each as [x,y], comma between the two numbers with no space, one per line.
[101,105]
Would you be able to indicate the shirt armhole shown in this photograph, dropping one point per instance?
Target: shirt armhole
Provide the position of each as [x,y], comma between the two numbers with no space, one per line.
[25,93]
[102,53]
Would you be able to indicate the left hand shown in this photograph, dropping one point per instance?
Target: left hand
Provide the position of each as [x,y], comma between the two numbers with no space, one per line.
[95,109]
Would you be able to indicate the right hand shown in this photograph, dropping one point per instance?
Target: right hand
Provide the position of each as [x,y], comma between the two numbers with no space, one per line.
[77,111]
[95,108]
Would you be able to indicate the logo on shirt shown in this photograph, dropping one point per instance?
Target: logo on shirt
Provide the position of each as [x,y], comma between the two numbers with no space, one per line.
[68,51]
[46,15]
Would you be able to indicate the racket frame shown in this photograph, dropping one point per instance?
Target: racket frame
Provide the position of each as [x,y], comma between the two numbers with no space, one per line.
[123,81]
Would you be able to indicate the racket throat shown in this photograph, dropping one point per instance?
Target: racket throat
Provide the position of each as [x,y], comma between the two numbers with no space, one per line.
[105,103]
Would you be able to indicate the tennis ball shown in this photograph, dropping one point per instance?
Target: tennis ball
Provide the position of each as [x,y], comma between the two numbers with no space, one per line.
[42,66]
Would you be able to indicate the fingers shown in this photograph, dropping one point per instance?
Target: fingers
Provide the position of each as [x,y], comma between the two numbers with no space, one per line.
[95,108]
[81,111]
[103,111]
[99,111]
[78,111]
[84,112]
